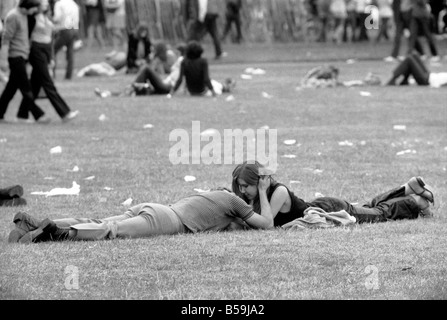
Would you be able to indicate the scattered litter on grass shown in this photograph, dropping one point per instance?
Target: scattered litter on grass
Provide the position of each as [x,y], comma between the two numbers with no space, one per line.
[314,171]
[351,61]
[127,203]
[363,143]
[246,77]
[201,190]
[266,95]
[56,150]
[399,127]
[190,178]
[319,195]
[73,191]
[108,188]
[294,182]
[408,151]
[3,140]
[289,156]
[365,93]
[96,139]
[169,96]
[102,200]
[264,128]
[345,143]
[208,132]
[148,126]
[445,148]
[255,71]
[229,98]
[75,169]
[289,142]
[102,117]
[90,178]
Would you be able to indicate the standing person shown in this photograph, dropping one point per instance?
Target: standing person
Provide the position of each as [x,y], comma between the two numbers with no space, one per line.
[16,43]
[385,14]
[40,58]
[324,12]
[436,7]
[215,210]
[402,18]
[194,68]
[5,7]
[201,17]
[139,48]
[362,15]
[351,21]
[420,24]
[115,21]
[95,21]
[339,15]
[408,201]
[66,21]
[233,15]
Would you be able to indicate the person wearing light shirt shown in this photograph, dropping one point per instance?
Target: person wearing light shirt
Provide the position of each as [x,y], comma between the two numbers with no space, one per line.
[66,21]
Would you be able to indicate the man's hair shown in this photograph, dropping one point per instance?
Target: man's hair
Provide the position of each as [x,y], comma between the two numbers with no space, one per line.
[194,50]
[29,4]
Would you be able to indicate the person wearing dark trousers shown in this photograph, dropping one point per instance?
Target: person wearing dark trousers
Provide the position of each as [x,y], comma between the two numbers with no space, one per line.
[436,7]
[233,15]
[201,17]
[66,20]
[402,18]
[420,25]
[40,58]
[12,196]
[139,36]
[16,41]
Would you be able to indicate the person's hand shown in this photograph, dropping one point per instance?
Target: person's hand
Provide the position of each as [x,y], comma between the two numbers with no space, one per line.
[264,183]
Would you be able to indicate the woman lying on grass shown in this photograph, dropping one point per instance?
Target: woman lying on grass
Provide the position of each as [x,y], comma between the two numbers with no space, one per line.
[405,202]
[209,211]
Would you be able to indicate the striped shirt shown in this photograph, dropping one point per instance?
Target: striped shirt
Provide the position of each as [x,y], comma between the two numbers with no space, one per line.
[211,211]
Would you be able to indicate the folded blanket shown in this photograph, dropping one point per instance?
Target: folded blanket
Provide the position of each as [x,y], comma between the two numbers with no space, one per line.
[316,218]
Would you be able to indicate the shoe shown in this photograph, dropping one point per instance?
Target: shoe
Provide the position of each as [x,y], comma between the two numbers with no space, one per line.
[70,116]
[43,120]
[417,186]
[11,192]
[14,202]
[15,235]
[389,59]
[40,234]
[102,94]
[423,205]
[25,222]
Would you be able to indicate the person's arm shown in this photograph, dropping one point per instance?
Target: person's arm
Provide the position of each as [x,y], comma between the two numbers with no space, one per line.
[264,220]
[179,80]
[207,77]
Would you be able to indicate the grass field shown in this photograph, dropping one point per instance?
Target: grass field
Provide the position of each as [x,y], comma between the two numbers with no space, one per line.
[393,260]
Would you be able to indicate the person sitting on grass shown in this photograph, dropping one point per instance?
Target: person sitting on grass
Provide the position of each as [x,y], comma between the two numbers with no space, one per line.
[194,68]
[414,66]
[215,210]
[408,201]
[158,77]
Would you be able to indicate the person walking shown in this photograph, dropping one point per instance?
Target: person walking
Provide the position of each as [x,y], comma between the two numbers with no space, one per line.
[95,20]
[233,16]
[420,25]
[115,22]
[16,42]
[40,58]
[201,17]
[66,21]
[385,14]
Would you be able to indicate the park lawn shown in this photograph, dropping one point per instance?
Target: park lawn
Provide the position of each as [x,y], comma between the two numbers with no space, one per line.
[346,146]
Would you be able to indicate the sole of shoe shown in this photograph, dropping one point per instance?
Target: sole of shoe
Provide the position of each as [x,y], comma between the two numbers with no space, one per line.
[36,235]
[427,189]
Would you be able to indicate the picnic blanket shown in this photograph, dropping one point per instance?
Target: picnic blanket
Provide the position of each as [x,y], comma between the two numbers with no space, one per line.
[316,218]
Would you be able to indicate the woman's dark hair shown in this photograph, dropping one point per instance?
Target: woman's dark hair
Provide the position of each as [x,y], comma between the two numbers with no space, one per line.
[141,27]
[29,4]
[181,47]
[250,173]
[194,50]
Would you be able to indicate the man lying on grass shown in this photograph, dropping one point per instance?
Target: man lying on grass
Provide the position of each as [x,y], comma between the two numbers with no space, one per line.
[215,210]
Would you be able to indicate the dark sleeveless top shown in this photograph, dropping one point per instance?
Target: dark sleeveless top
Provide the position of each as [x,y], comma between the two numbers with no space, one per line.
[296,209]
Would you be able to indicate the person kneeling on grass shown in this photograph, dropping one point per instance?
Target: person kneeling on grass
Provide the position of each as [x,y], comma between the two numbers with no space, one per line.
[194,68]
[215,210]
[414,66]
[408,201]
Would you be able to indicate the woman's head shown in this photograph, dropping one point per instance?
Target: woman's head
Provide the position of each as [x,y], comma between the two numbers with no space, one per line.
[142,31]
[194,50]
[245,180]
[161,51]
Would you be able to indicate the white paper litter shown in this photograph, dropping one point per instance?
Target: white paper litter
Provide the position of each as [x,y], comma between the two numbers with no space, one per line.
[345,143]
[201,190]
[148,126]
[90,178]
[408,151]
[73,191]
[289,142]
[230,98]
[400,127]
[56,150]
[350,61]
[190,178]
[266,95]
[289,156]
[102,117]
[246,77]
[255,71]
[365,93]
[127,203]
[108,188]
[75,169]
[3,140]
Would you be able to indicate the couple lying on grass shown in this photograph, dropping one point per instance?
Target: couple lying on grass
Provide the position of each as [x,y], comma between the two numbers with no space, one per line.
[257,202]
